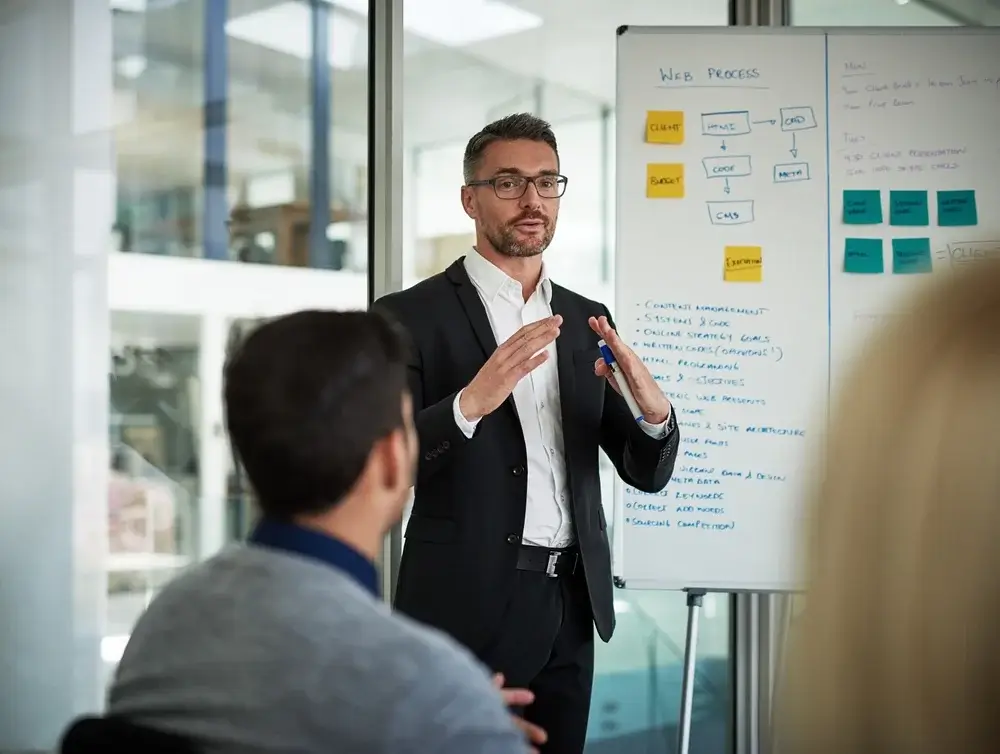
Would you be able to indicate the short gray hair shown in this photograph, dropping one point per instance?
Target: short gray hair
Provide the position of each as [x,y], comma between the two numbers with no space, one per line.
[509,128]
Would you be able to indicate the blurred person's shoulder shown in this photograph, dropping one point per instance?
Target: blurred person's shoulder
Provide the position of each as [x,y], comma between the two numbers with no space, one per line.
[446,697]
[260,624]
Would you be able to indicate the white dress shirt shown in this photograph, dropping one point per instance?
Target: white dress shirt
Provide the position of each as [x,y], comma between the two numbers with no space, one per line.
[548,520]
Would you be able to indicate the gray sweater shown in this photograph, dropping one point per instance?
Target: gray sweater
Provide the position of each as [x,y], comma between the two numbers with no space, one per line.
[258,650]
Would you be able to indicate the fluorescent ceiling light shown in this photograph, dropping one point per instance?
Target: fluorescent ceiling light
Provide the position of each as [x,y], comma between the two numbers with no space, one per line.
[132,6]
[287,28]
[457,23]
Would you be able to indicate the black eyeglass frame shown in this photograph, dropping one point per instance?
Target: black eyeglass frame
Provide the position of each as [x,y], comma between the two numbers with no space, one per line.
[561,181]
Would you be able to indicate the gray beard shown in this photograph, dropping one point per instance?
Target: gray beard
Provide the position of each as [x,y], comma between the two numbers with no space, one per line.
[509,246]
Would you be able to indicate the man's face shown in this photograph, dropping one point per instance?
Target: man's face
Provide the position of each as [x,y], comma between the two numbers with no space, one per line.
[516,227]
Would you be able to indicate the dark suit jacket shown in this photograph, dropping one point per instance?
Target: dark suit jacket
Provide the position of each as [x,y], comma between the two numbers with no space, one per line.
[463,536]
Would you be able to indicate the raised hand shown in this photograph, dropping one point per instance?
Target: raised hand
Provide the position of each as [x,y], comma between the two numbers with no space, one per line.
[652,402]
[518,355]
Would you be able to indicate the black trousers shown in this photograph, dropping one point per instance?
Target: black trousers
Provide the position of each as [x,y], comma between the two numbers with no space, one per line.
[546,644]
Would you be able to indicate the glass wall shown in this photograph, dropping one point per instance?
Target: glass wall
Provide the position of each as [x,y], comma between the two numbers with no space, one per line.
[241,147]
[558,61]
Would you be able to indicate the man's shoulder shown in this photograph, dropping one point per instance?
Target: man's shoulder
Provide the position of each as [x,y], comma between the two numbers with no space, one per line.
[415,299]
[431,647]
[451,697]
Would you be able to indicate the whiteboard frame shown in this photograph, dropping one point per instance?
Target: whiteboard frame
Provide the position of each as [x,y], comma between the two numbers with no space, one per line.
[618,528]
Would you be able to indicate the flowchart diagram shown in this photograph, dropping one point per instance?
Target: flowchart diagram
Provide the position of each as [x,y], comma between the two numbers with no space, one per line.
[727,126]
[730,163]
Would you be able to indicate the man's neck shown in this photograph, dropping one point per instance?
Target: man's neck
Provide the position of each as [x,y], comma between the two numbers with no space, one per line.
[360,533]
[525,270]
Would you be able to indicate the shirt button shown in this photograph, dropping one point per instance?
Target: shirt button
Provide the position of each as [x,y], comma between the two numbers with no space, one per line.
[517,470]
[513,539]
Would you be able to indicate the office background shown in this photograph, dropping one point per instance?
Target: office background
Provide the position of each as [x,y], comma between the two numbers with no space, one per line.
[174,170]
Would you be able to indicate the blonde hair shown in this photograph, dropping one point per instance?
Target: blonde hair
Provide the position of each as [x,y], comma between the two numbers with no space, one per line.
[897,650]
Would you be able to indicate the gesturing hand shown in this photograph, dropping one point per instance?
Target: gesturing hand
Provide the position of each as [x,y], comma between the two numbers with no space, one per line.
[519,354]
[652,402]
[521,698]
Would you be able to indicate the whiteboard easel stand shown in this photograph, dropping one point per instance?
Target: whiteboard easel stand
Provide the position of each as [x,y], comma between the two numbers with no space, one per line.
[695,598]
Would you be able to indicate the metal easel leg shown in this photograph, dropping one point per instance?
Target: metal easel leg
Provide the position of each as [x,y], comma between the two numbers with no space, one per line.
[694,602]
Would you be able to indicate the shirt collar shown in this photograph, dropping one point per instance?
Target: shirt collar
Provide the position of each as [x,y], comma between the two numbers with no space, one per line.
[491,280]
[313,544]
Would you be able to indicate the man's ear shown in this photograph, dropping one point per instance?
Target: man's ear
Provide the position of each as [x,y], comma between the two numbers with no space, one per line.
[396,459]
[469,202]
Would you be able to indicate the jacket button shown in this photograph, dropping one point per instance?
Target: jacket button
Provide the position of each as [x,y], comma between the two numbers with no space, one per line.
[517,470]
[445,445]
[513,539]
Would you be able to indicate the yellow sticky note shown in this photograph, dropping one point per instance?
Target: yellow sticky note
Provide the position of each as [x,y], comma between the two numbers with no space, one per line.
[664,181]
[743,264]
[665,127]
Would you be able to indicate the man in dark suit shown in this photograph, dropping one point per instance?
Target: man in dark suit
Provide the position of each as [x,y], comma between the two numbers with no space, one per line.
[507,547]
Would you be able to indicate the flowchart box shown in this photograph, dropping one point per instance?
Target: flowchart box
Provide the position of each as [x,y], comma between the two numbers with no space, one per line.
[797,118]
[728,123]
[789,172]
[727,166]
[736,212]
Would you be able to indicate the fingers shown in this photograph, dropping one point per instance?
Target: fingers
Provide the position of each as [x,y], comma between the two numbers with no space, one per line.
[544,330]
[622,353]
[498,680]
[526,367]
[517,697]
[535,734]
[529,346]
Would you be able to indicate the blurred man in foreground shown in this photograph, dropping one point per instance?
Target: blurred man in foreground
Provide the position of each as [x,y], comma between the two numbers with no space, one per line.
[282,644]
[895,650]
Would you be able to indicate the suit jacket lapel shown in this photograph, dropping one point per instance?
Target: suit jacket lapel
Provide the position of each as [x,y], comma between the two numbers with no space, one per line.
[473,306]
[564,360]
[476,312]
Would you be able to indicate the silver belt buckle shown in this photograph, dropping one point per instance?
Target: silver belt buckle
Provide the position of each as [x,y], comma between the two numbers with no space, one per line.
[550,567]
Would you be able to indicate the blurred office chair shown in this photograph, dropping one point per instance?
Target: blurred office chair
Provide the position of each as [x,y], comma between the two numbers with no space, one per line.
[115,735]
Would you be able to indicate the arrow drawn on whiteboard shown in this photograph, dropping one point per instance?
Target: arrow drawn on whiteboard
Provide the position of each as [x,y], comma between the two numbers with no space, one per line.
[793,150]
[769,122]
[723,147]
[726,187]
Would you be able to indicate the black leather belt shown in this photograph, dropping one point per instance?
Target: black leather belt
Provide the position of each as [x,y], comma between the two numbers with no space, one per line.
[552,563]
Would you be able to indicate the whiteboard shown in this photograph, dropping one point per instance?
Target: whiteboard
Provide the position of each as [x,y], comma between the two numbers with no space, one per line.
[778,190]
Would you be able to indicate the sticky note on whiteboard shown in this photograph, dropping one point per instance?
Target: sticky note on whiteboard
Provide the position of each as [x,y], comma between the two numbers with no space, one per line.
[862,207]
[911,256]
[957,208]
[863,256]
[665,127]
[664,180]
[743,264]
[908,208]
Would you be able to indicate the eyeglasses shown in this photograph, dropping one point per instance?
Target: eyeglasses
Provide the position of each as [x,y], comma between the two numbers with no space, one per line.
[514,186]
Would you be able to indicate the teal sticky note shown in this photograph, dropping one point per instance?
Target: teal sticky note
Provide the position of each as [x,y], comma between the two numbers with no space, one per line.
[911,255]
[863,256]
[908,208]
[862,207]
[956,208]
